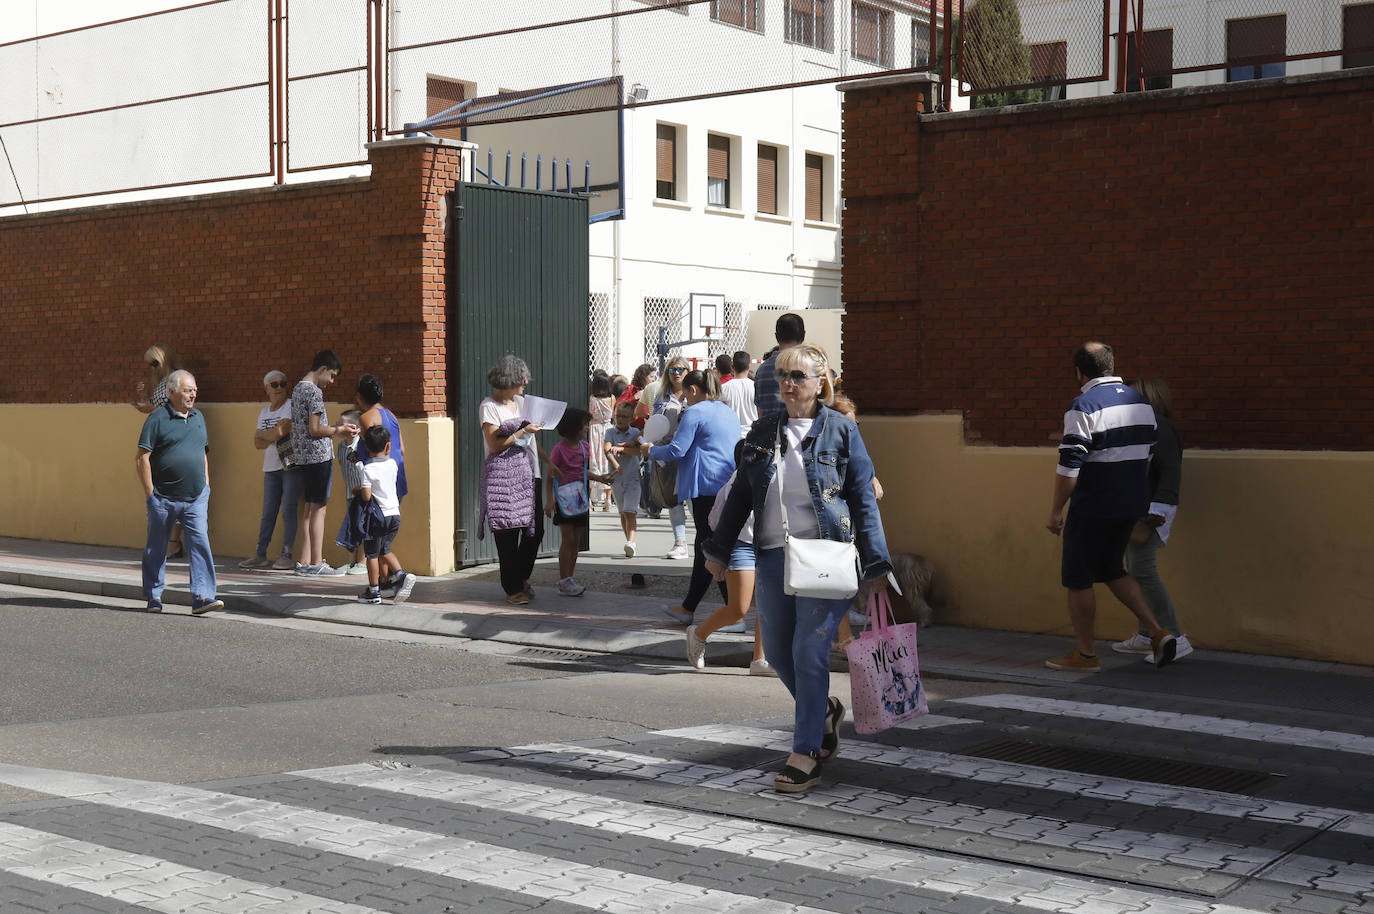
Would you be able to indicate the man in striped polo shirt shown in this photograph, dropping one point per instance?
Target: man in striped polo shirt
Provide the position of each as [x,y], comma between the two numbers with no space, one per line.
[1109,432]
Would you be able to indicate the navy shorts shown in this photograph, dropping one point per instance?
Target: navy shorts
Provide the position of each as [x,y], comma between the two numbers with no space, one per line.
[380,546]
[316,479]
[1094,549]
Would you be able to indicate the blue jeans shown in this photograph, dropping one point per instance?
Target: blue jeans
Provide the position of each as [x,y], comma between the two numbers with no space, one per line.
[797,633]
[195,527]
[281,490]
[677,516]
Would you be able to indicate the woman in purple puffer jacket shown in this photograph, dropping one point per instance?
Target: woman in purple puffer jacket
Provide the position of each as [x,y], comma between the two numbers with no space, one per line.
[510,478]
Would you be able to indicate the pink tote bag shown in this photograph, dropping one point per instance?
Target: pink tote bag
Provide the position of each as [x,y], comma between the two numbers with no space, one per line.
[884,677]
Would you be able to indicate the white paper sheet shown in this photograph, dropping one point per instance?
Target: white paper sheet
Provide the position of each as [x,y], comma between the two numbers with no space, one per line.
[543,412]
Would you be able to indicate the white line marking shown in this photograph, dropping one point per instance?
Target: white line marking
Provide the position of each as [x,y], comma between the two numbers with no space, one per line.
[146,881]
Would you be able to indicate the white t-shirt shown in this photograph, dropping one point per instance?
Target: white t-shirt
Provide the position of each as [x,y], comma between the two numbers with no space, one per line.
[738,394]
[801,511]
[492,413]
[268,418]
[746,532]
[379,475]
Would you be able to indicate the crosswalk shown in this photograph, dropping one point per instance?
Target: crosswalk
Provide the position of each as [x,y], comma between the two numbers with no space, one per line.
[685,820]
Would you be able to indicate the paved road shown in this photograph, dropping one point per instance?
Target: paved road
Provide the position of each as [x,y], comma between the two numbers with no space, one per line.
[171,763]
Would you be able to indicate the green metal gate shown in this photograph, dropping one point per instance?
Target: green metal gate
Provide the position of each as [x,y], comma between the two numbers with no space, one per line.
[519,286]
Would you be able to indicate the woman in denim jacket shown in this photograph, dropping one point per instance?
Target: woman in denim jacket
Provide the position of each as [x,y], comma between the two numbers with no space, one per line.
[829,495]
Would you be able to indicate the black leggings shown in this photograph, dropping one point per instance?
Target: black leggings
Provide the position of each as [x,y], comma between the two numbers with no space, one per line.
[517,549]
[701,578]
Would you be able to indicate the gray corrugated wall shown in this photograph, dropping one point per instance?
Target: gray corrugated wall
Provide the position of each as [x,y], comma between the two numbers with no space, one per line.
[521,287]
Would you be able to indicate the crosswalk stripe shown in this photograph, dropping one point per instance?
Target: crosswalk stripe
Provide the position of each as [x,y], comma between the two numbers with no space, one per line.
[1173,720]
[755,840]
[148,882]
[453,858]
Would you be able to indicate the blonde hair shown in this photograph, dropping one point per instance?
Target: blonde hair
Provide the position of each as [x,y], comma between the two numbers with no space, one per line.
[163,355]
[666,378]
[1156,390]
[809,355]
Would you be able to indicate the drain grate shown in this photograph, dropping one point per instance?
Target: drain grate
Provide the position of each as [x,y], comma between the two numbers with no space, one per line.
[1129,767]
[552,653]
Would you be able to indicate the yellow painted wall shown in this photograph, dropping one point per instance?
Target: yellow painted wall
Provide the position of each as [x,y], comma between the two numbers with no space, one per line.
[1269,553]
[72,479]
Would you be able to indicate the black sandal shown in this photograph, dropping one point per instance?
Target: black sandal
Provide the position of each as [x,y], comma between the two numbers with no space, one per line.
[830,742]
[798,781]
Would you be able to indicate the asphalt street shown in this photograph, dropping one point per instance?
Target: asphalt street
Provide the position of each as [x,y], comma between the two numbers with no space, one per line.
[234,762]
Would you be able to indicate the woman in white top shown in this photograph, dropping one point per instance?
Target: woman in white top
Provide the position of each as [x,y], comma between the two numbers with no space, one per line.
[516,549]
[281,489]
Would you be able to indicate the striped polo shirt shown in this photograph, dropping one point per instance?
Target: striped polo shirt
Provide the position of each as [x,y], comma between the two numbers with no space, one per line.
[1109,432]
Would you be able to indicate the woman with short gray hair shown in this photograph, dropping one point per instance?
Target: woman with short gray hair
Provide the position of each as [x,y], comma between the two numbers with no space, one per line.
[511,503]
[281,488]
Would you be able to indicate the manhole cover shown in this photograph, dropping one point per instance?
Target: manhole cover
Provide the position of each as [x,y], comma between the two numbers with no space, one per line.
[1129,767]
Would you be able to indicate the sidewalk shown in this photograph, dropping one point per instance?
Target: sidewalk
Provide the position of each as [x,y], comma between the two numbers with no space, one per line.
[631,623]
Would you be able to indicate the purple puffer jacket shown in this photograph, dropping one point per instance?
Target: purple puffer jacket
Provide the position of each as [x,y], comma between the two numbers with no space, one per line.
[507,487]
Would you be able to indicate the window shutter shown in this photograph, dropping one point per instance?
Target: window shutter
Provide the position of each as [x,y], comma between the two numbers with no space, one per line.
[814,170]
[1157,46]
[1049,60]
[1251,39]
[440,95]
[1357,34]
[717,157]
[667,152]
[768,179]
[866,41]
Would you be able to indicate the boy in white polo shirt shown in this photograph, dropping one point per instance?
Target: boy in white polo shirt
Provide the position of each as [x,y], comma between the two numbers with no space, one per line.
[379,483]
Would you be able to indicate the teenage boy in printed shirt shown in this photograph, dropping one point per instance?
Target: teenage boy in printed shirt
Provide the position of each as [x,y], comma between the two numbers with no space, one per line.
[379,483]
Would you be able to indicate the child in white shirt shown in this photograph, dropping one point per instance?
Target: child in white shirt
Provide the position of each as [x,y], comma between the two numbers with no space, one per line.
[379,484]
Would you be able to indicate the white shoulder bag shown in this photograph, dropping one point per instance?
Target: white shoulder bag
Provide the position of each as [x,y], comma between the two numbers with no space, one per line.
[820,568]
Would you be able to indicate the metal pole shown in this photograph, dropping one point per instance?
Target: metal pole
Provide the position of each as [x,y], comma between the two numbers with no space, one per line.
[947,65]
[1123,24]
[380,80]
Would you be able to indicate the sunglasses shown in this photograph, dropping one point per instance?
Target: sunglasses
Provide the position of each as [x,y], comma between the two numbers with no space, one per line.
[155,364]
[276,384]
[677,371]
[796,377]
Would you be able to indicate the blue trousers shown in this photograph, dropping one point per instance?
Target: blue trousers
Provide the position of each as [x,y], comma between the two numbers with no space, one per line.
[195,528]
[281,490]
[797,633]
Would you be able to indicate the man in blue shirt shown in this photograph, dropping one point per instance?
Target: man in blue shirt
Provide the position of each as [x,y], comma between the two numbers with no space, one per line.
[174,470]
[1104,458]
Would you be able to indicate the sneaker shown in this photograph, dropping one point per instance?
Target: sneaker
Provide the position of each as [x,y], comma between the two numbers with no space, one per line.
[370,596]
[1165,648]
[734,628]
[629,550]
[401,584]
[1183,649]
[257,561]
[517,599]
[569,587]
[285,562]
[678,614]
[209,606]
[323,570]
[528,590]
[302,569]
[762,667]
[1136,644]
[696,649]
[355,568]
[679,551]
[1075,662]
[154,606]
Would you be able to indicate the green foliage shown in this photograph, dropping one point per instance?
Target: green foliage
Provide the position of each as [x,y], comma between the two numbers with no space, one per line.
[995,54]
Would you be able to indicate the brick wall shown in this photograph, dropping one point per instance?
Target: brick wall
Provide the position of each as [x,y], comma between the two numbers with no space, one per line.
[1220,237]
[237,283]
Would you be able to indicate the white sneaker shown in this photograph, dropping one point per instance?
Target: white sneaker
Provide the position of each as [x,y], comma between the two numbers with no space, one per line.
[629,550]
[569,587]
[323,569]
[679,551]
[1136,644]
[1182,650]
[696,649]
[762,667]
[355,568]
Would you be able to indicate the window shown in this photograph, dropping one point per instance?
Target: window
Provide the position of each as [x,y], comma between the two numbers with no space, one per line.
[666,156]
[815,187]
[808,23]
[922,55]
[440,95]
[747,14]
[1050,61]
[1250,41]
[1357,36]
[717,170]
[872,34]
[1150,63]
[768,179]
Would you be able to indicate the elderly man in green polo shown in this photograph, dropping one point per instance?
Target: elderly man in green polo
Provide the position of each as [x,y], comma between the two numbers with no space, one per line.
[174,469]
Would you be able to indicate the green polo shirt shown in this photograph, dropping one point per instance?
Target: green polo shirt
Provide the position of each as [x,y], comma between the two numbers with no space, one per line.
[178,445]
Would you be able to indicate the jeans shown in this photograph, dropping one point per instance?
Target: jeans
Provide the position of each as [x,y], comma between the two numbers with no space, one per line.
[516,550]
[797,633]
[194,519]
[700,580]
[677,516]
[1140,561]
[281,489]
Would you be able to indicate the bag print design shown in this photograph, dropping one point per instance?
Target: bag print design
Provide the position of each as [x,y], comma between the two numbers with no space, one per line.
[884,674]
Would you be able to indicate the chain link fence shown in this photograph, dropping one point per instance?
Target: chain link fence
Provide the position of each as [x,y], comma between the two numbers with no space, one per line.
[600,332]
[662,311]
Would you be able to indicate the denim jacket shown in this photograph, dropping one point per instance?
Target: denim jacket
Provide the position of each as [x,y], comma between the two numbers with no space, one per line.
[839,474]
